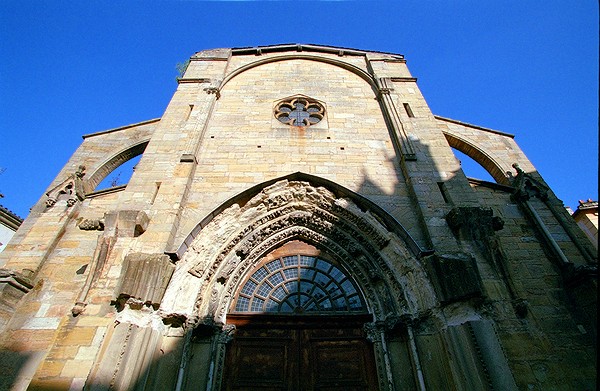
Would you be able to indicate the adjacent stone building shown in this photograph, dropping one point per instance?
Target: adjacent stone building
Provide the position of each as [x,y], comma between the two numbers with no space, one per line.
[586,217]
[298,221]
[9,223]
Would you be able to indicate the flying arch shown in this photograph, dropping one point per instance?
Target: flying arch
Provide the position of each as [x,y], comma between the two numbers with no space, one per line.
[113,162]
[479,155]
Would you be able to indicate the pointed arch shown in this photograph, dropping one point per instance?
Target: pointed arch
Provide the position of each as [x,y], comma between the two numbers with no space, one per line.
[222,250]
[113,162]
[300,56]
[364,204]
[479,155]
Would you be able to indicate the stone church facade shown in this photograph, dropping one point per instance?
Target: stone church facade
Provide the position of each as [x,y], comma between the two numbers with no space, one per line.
[297,221]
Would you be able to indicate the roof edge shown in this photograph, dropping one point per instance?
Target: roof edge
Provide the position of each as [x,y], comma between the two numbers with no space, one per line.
[305,47]
[9,218]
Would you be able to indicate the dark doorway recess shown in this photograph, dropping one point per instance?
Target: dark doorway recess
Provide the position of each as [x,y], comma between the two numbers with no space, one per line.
[299,353]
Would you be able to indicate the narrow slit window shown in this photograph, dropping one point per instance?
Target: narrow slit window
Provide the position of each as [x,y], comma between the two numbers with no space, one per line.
[408,110]
[444,191]
[189,112]
[155,192]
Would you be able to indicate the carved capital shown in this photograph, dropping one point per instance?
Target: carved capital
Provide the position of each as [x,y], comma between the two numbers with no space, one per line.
[226,334]
[374,331]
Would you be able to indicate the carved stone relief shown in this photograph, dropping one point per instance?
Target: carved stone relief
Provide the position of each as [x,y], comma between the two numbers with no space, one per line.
[70,189]
[233,242]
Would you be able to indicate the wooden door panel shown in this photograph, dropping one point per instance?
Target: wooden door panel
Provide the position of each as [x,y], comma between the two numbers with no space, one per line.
[300,357]
[261,364]
[338,360]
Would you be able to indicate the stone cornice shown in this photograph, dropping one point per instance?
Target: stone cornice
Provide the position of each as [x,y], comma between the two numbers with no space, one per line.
[181,80]
[9,219]
[258,50]
[403,79]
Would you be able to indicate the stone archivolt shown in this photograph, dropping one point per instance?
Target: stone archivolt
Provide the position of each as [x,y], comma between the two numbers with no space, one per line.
[235,241]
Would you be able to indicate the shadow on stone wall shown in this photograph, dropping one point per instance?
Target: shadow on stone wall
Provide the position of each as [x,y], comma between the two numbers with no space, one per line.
[16,369]
[141,359]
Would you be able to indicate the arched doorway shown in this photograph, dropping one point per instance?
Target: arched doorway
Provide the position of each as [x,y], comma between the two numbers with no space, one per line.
[299,318]
[342,236]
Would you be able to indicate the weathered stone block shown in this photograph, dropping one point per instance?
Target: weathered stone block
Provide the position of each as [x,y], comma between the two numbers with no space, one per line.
[456,276]
[145,278]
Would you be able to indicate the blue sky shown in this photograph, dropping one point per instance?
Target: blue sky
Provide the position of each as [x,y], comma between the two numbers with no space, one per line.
[529,68]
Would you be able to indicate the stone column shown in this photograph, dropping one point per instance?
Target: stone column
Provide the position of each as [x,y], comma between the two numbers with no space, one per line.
[376,334]
[218,365]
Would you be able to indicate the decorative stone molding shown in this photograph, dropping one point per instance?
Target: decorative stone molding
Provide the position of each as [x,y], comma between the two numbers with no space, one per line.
[375,333]
[301,204]
[226,334]
[223,338]
[229,246]
[526,186]
[17,280]
[71,188]
[390,111]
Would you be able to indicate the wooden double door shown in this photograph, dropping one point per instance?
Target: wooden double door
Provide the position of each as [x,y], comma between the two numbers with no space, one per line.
[299,354]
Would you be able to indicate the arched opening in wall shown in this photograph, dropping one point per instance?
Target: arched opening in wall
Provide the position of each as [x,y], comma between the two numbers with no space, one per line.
[471,168]
[119,176]
[299,318]
[476,161]
[117,171]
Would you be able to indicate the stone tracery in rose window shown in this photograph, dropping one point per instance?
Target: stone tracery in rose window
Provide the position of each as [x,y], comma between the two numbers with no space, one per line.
[299,111]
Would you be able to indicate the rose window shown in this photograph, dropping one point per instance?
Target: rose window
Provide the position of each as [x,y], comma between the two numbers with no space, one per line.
[299,284]
[299,111]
